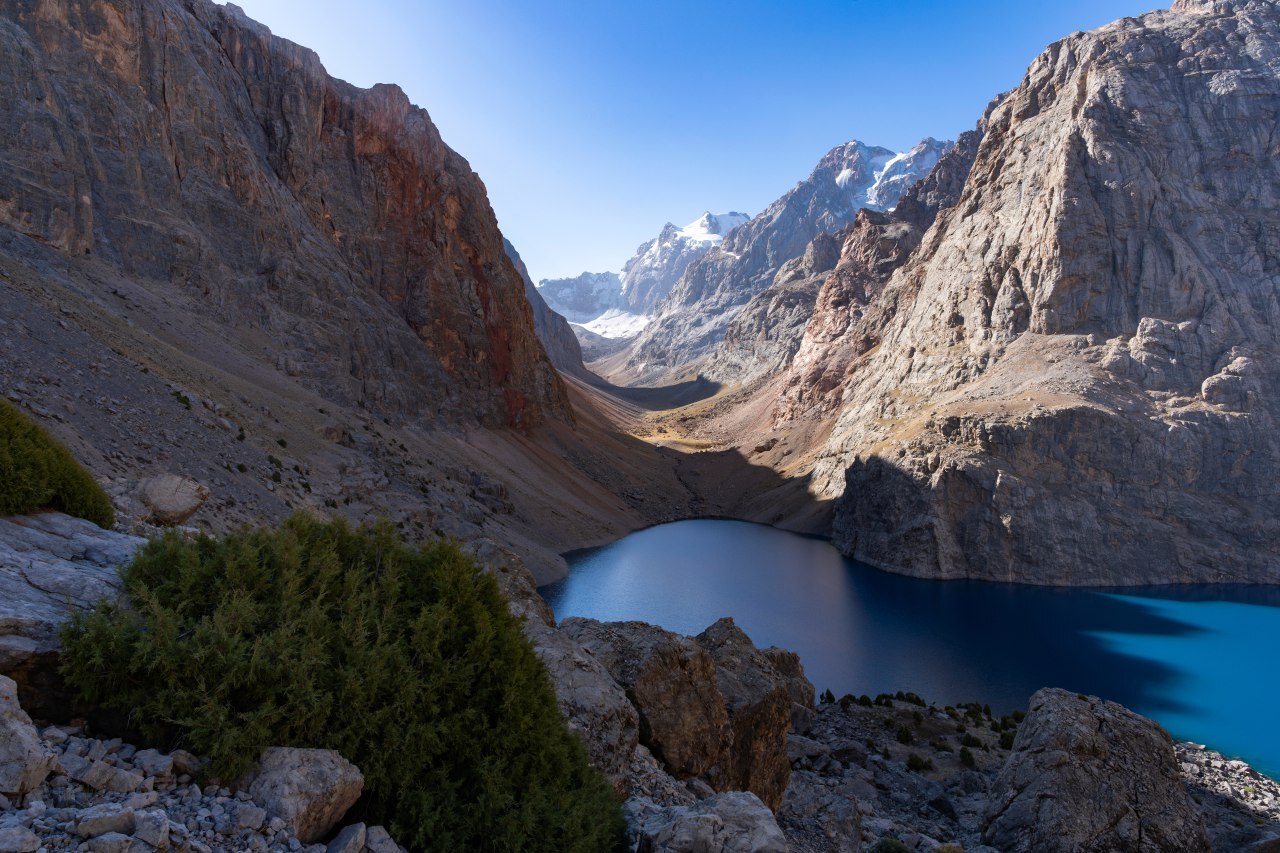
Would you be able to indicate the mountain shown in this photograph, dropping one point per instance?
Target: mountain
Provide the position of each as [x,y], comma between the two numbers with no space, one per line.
[583,298]
[658,264]
[691,321]
[553,330]
[1074,378]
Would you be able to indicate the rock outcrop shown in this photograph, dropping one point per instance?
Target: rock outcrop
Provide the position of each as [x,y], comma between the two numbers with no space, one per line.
[51,565]
[735,822]
[181,145]
[310,789]
[582,298]
[1086,774]
[1076,378]
[593,704]
[672,684]
[692,320]
[759,700]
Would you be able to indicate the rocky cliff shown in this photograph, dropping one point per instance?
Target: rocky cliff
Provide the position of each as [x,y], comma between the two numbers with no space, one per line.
[328,227]
[582,298]
[1074,377]
[693,318]
[552,330]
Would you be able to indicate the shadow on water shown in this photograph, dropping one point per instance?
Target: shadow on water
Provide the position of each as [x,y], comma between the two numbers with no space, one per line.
[1159,650]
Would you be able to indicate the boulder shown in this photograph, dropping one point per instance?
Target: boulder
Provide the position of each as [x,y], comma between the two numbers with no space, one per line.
[734,822]
[1090,775]
[310,789]
[171,499]
[18,839]
[152,827]
[25,759]
[590,700]
[51,565]
[759,703]
[378,840]
[672,683]
[349,840]
[104,818]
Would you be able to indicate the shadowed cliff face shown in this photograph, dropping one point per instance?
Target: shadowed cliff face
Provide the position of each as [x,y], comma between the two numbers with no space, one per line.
[1077,378]
[328,227]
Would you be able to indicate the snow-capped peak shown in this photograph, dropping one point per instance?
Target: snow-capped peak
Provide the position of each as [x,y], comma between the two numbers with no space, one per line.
[711,227]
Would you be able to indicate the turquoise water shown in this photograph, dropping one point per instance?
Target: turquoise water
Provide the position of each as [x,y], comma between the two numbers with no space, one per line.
[1198,659]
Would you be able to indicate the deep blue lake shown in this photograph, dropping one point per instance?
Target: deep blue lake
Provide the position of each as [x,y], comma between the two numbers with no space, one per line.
[1201,660]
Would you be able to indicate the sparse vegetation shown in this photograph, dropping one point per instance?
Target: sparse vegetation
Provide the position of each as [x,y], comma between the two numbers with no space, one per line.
[916,764]
[966,757]
[404,660]
[888,845]
[37,472]
[904,735]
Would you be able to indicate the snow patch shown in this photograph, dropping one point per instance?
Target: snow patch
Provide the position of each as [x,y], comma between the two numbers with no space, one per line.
[616,323]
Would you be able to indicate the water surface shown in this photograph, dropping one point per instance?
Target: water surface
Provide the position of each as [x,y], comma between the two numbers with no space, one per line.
[1198,659]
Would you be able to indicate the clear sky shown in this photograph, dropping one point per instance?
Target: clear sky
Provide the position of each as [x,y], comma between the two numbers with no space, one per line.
[593,122]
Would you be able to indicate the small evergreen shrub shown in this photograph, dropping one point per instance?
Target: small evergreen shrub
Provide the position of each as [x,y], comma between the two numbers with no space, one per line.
[406,661]
[966,757]
[904,735]
[827,697]
[916,764]
[1006,739]
[37,472]
[970,740]
[888,845]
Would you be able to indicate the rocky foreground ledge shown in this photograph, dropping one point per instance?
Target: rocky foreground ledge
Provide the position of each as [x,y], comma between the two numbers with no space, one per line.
[715,744]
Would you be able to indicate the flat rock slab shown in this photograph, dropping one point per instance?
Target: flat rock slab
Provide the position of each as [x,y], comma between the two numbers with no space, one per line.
[50,565]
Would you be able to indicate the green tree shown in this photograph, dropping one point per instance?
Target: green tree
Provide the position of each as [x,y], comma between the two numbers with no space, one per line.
[406,661]
[37,472]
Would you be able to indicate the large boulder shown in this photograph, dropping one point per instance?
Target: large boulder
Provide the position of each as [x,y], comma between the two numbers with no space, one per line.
[310,789]
[759,703]
[171,499]
[1089,775]
[734,822]
[672,683]
[25,760]
[591,701]
[51,565]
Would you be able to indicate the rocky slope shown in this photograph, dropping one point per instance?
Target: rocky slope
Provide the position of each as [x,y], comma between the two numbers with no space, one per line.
[692,320]
[1075,374]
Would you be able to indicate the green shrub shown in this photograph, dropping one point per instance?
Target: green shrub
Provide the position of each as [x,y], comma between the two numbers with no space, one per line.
[404,660]
[966,757]
[916,764]
[36,472]
[904,735]
[888,845]
[1006,739]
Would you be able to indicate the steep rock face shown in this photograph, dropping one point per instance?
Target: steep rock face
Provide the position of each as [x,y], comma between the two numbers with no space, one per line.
[552,330]
[759,700]
[1089,775]
[657,265]
[1077,383]
[848,312]
[328,227]
[692,320]
[766,333]
[583,298]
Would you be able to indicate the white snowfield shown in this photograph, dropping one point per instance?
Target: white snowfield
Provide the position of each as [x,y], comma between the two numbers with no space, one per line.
[616,323]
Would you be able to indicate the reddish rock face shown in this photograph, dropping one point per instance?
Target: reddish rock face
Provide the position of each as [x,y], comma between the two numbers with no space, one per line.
[328,226]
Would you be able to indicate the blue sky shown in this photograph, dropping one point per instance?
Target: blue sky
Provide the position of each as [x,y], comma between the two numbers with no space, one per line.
[592,123]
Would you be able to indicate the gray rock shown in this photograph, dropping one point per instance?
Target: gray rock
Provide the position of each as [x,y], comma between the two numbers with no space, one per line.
[104,818]
[18,839]
[672,684]
[377,840]
[311,789]
[349,840]
[171,499]
[1088,775]
[734,822]
[51,565]
[152,827]
[152,762]
[110,842]
[25,759]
